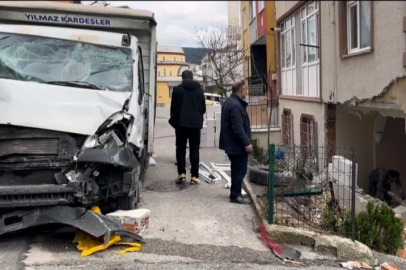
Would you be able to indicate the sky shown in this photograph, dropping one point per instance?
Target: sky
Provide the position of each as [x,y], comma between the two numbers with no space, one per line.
[178,20]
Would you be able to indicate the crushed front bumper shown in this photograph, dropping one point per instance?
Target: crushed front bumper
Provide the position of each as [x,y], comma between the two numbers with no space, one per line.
[80,218]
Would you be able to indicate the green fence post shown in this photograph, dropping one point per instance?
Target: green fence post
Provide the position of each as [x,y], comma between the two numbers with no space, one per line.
[271,183]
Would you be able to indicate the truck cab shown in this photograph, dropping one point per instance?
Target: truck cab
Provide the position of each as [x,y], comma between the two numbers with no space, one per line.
[77,96]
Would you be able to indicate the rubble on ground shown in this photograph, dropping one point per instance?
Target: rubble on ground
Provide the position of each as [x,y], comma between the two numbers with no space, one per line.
[132,221]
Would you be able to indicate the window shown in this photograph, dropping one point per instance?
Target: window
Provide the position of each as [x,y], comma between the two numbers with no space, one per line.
[261,5]
[170,73]
[159,74]
[163,58]
[253,11]
[308,141]
[288,56]
[309,50]
[141,88]
[287,127]
[164,72]
[174,59]
[308,132]
[243,20]
[358,25]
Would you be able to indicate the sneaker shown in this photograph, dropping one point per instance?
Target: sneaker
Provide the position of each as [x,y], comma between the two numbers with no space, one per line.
[194,180]
[181,179]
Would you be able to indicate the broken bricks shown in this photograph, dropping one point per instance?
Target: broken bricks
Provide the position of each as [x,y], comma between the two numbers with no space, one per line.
[136,221]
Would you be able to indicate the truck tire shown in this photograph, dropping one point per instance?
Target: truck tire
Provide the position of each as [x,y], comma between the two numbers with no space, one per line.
[126,202]
[258,176]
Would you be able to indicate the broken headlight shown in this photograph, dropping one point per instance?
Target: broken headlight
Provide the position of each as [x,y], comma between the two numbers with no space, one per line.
[91,142]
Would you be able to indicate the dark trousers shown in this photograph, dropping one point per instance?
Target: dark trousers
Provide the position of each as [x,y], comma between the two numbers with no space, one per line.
[373,189]
[182,136]
[239,165]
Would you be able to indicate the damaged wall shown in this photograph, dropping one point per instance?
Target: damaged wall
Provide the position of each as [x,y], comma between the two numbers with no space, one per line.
[391,152]
[364,75]
[353,131]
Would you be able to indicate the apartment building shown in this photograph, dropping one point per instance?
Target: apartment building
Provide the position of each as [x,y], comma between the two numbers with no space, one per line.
[259,68]
[342,79]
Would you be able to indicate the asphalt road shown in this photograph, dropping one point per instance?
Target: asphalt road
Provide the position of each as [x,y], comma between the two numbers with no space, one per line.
[194,227]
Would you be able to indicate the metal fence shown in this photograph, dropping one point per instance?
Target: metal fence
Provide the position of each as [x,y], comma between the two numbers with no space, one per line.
[259,113]
[308,189]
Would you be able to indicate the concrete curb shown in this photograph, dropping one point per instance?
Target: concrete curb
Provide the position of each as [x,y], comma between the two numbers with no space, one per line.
[343,248]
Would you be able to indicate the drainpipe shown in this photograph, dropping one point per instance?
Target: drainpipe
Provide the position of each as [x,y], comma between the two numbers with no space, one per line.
[335,75]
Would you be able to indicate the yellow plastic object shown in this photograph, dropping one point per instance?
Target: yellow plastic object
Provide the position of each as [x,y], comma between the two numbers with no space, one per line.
[209,102]
[96,210]
[89,244]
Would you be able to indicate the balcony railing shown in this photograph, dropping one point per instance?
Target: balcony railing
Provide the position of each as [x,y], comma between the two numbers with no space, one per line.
[259,115]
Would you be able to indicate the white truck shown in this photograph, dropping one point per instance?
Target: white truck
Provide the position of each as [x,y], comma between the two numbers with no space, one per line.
[77,104]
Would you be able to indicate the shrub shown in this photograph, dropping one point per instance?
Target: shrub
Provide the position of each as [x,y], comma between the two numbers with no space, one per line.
[379,228]
[335,218]
[259,153]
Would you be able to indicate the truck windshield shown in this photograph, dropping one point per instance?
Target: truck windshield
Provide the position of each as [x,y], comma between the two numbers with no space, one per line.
[50,60]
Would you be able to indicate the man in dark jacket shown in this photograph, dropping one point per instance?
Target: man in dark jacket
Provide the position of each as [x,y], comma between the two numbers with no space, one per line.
[380,180]
[188,106]
[235,138]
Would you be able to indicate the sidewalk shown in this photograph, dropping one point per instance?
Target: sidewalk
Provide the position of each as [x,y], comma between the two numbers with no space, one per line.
[194,215]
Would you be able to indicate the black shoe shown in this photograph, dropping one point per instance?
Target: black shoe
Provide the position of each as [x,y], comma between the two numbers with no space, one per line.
[181,179]
[240,200]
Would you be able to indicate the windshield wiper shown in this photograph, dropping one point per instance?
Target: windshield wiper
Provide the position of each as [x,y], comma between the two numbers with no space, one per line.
[78,83]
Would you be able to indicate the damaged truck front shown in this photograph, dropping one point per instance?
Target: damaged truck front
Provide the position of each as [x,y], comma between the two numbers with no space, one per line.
[77,99]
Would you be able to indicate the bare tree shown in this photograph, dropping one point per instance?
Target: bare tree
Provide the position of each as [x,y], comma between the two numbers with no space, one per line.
[224,57]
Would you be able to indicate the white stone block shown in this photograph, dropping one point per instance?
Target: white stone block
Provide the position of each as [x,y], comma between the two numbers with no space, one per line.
[204,130]
[210,143]
[136,221]
[218,118]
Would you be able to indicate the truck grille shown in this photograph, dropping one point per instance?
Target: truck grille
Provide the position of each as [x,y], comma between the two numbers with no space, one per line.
[29,147]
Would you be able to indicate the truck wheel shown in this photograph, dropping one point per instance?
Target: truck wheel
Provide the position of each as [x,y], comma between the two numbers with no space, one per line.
[126,202]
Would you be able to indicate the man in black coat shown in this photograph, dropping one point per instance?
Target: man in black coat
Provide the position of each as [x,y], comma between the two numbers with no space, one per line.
[188,105]
[235,138]
[380,180]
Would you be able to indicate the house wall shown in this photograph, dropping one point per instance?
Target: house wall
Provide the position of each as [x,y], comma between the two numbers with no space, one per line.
[163,97]
[357,131]
[233,8]
[390,153]
[169,57]
[261,20]
[253,36]
[262,137]
[174,68]
[270,42]
[246,38]
[363,75]
[283,7]
[308,108]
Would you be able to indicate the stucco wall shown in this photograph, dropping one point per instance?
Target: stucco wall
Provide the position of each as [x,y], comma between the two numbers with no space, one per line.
[300,107]
[357,132]
[170,57]
[363,75]
[262,137]
[163,94]
[253,35]
[283,6]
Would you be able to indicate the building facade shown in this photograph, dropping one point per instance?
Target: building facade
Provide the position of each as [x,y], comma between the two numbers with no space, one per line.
[341,72]
[300,100]
[170,65]
[259,68]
